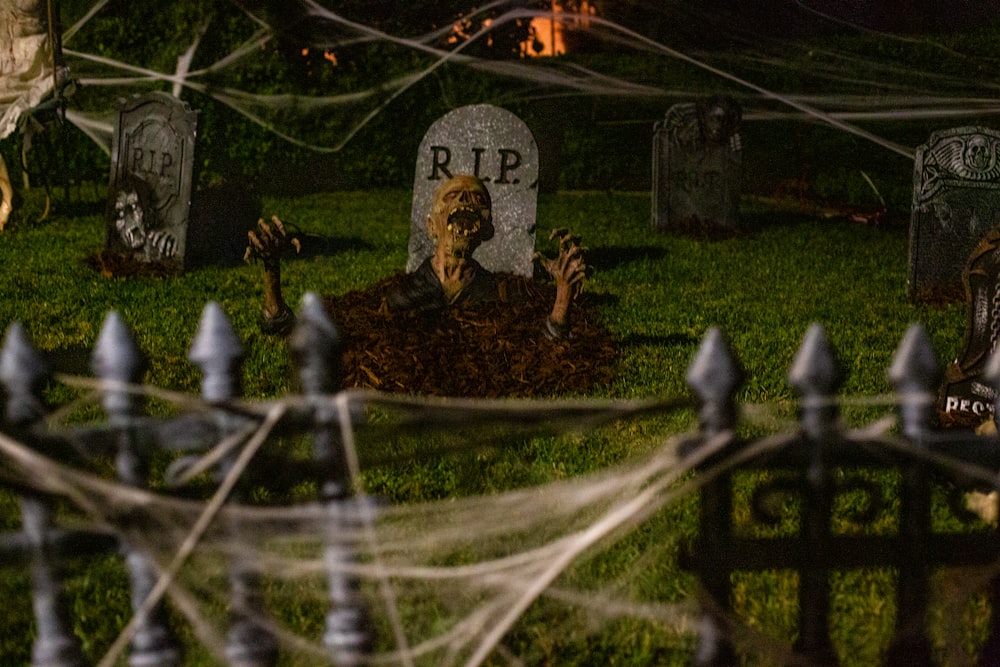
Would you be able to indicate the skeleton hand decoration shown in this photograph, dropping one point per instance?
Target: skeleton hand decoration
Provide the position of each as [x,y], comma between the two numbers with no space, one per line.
[267,244]
[569,271]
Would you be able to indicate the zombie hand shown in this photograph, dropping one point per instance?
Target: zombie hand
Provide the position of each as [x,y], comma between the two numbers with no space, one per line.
[267,244]
[569,271]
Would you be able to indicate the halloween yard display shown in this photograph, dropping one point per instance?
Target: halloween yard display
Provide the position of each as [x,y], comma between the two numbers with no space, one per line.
[267,244]
[697,164]
[453,328]
[461,219]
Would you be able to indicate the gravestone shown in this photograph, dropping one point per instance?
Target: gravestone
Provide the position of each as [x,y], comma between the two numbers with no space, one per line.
[497,147]
[965,399]
[697,166]
[956,201]
[149,197]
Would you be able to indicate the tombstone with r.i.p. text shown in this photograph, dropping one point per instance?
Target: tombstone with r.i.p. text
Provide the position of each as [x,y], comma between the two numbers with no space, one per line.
[496,146]
[149,196]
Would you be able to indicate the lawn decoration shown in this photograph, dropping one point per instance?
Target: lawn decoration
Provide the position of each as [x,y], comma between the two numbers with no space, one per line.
[267,245]
[697,162]
[497,147]
[453,328]
[6,194]
[461,219]
[966,399]
[149,197]
[956,201]
[31,69]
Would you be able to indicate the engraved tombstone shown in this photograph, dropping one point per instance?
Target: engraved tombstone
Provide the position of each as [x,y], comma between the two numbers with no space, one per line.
[965,399]
[697,166]
[956,200]
[149,197]
[496,146]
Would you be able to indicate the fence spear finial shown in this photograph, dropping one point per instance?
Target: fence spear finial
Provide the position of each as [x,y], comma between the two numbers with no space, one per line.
[218,352]
[315,344]
[915,373]
[715,375]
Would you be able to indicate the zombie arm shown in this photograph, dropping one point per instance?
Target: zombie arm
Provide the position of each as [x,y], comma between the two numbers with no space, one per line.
[267,244]
[569,270]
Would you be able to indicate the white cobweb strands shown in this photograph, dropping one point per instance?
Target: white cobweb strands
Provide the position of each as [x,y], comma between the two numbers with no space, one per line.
[461,570]
[459,574]
[770,79]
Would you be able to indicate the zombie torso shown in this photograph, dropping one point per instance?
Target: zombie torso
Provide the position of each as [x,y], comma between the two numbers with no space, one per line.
[422,290]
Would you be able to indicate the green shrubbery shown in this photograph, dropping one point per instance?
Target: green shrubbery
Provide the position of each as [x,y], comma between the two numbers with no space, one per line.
[586,141]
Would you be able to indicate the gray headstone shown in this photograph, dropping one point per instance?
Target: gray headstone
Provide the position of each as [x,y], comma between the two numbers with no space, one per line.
[956,200]
[965,398]
[697,166]
[496,146]
[149,197]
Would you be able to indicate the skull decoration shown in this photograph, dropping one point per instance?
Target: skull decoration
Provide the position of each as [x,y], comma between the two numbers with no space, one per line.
[977,153]
[461,217]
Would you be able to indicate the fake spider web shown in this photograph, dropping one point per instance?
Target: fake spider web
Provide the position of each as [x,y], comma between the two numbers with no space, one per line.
[832,87]
[452,581]
[463,580]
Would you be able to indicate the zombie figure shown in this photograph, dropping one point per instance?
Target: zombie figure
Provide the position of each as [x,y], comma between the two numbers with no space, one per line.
[133,229]
[460,220]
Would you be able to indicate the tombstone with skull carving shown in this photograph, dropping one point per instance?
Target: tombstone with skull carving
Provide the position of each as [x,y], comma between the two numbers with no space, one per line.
[956,201]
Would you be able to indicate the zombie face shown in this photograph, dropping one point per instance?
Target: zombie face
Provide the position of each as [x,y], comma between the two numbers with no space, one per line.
[719,118]
[461,216]
[129,219]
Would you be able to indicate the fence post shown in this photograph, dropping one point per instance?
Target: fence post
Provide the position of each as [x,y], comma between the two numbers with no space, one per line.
[23,373]
[315,346]
[714,376]
[217,351]
[915,374]
[816,376]
[120,364]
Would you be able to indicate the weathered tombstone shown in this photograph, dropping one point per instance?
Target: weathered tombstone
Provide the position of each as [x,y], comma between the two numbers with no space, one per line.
[497,146]
[697,166]
[149,197]
[956,200]
[965,399]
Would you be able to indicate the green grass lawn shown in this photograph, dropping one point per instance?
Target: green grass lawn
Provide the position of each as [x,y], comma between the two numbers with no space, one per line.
[658,295]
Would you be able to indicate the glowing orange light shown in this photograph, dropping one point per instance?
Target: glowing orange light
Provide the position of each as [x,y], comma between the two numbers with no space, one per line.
[305,52]
[547,33]
[331,56]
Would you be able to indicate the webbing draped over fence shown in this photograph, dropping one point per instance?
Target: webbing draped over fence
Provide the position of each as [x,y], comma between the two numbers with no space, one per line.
[814,463]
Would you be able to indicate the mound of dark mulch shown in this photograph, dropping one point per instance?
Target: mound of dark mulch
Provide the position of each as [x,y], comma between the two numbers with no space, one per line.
[113,265]
[485,350]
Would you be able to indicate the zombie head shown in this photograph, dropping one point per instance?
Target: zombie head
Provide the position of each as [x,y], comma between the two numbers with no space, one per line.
[461,216]
[129,219]
[719,118]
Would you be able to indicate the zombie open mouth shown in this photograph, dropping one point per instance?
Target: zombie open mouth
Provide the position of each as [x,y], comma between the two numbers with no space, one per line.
[464,222]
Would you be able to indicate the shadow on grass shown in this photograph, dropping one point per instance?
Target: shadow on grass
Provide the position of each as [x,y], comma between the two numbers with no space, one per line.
[316,245]
[603,258]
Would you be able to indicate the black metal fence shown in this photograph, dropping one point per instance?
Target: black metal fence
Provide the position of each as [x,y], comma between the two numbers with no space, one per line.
[814,464]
